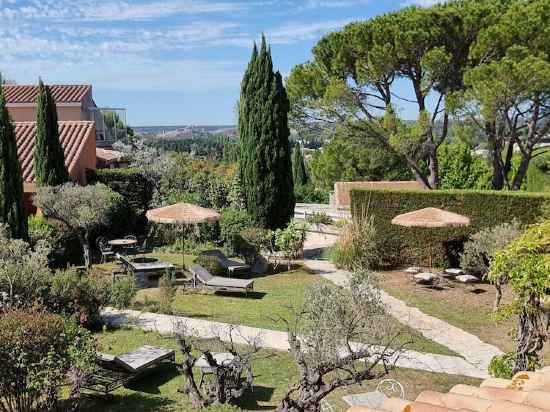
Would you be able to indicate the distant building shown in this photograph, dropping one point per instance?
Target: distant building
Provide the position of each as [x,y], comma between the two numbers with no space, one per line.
[82,127]
[74,103]
[341,198]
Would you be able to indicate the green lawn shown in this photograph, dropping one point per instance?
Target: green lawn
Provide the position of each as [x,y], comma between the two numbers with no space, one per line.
[273,371]
[274,298]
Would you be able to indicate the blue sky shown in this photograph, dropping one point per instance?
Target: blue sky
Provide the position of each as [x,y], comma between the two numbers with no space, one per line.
[166,61]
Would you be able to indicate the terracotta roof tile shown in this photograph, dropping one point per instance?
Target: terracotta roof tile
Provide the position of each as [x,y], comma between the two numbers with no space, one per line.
[72,135]
[525,392]
[61,93]
[109,156]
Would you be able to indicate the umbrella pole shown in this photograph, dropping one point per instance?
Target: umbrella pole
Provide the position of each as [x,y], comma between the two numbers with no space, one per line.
[183,248]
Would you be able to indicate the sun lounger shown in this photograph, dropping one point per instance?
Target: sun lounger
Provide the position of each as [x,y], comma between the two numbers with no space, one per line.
[116,371]
[232,266]
[202,276]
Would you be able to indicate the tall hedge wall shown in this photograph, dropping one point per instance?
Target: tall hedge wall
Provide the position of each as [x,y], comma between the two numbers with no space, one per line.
[401,245]
[133,187]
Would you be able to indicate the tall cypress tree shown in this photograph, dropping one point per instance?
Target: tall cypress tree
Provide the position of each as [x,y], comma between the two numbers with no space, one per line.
[298,166]
[12,211]
[49,159]
[265,164]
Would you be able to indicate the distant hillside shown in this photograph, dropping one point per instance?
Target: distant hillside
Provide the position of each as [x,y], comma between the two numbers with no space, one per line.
[184,131]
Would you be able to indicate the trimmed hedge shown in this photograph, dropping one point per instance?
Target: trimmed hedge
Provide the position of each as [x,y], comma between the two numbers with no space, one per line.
[137,194]
[129,182]
[417,245]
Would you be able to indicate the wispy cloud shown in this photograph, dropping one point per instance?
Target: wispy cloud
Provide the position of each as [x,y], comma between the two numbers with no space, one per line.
[295,32]
[115,10]
[423,3]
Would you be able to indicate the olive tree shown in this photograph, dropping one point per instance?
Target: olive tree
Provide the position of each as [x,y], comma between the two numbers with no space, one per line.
[80,208]
[156,166]
[231,377]
[323,341]
[480,250]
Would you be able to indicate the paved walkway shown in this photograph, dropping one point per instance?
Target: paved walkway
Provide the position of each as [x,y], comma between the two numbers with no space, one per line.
[277,340]
[475,351]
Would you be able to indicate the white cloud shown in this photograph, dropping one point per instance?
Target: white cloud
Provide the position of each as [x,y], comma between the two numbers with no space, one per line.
[423,3]
[116,10]
[295,32]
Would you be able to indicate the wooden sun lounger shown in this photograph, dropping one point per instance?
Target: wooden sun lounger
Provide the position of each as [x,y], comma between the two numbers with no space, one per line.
[232,266]
[116,371]
[204,277]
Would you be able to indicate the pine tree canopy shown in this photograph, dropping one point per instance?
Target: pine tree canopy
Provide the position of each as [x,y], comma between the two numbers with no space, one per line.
[12,212]
[265,163]
[49,159]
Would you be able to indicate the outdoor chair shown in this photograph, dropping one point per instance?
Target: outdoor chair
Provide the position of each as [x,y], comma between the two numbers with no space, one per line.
[106,250]
[131,249]
[231,266]
[202,276]
[112,372]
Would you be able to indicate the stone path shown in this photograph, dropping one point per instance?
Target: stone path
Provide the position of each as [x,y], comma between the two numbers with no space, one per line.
[277,340]
[475,351]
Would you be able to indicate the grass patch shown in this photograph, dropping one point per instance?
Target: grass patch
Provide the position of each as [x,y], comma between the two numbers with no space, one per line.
[273,371]
[273,298]
[466,307]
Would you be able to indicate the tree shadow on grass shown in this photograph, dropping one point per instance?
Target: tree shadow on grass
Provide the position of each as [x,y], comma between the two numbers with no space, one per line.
[259,394]
[249,295]
[151,381]
[128,402]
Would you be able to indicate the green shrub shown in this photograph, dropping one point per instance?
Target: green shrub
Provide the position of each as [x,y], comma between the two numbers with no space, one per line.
[232,223]
[79,296]
[122,292]
[259,238]
[211,264]
[357,245]
[290,241]
[538,174]
[319,218]
[308,194]
[502,366]
[485,209]
[41,229]
[36,351]
[167,293]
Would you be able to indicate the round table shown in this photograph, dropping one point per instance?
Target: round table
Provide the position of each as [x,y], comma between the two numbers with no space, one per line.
[123,242]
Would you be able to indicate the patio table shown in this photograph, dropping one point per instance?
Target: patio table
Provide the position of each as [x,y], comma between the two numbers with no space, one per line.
[123,242]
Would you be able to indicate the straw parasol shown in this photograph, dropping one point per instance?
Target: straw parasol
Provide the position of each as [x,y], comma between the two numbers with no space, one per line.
[431,217]
[182,214]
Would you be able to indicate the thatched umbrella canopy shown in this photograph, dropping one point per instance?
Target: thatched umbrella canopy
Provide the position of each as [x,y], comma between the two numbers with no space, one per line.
[430,218]
[182,214]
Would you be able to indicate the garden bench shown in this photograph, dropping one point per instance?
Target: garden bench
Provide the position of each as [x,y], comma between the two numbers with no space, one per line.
[113,372]
[202,276]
